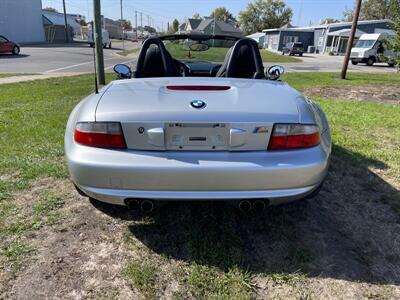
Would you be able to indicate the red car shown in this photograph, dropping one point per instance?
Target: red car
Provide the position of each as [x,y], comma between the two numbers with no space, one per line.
[7,46]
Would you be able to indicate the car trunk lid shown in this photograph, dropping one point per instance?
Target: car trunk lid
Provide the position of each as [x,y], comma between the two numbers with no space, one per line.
[237,115]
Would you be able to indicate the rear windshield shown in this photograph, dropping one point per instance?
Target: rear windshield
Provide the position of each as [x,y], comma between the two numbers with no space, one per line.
[300,45]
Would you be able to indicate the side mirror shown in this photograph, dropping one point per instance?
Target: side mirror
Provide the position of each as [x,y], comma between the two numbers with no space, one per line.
[123,71]
[274,72]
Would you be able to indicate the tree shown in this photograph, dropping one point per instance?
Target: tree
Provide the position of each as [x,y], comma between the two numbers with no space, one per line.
[81,22]
[222,14]
[264,14]
[329,21]
[196,16]
[375,10]
[175,25]
[396,39]
[126,24]
[50,9]
[149,29]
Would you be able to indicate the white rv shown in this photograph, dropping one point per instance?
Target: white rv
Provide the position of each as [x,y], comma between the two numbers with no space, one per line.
[105,38]
[373,48]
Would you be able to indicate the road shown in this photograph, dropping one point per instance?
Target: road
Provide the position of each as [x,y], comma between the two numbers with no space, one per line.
[78,58]
[70,58]
[326,63]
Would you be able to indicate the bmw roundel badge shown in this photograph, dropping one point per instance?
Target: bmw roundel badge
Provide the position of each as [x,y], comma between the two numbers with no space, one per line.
[198,104]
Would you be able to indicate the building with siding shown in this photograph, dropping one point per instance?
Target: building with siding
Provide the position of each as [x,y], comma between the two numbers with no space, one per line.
[206,26]
[54,25]
[325,38]
[21,20]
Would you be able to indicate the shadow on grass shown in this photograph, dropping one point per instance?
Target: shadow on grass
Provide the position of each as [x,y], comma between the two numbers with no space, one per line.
[346,232]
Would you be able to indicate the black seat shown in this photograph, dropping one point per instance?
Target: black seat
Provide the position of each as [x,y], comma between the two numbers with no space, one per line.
[155,61]
[153,64]
[243,60]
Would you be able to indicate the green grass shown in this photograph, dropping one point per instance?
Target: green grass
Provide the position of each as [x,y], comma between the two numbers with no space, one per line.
[143,276]
[208,283]
[4,75]
[218,54]
[32,121]
[127,52]
[302,80]
[369,132]
[11,256]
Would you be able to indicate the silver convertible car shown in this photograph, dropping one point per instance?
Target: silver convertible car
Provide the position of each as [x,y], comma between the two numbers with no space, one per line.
[181,127]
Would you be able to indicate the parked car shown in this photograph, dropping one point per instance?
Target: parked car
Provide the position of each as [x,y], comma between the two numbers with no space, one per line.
[293,49]
[373,48]
[7,46]
[105,39]
[195,130]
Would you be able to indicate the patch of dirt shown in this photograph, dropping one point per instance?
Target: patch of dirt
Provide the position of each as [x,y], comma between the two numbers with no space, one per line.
[388,93]
[345,243]
[77,257]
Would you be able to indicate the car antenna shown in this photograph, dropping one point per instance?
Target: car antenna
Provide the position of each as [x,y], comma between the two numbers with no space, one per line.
[94,61]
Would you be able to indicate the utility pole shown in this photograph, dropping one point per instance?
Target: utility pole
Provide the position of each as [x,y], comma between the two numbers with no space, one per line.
[122,27]
[98,38]
[214,31]
[351,39]
[65,23]
[136,25]
[141,23]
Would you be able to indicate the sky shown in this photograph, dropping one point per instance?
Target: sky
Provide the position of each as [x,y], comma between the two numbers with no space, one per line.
[305,12]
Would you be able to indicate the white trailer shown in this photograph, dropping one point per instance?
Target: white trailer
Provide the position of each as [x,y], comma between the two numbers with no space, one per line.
[105,38]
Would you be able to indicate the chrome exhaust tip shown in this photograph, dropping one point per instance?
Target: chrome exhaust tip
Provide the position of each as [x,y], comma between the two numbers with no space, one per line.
[245,206]
[259,205]
[132,204]
[147,206]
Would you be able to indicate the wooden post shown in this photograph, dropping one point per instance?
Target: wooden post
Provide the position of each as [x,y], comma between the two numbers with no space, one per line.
[351,40]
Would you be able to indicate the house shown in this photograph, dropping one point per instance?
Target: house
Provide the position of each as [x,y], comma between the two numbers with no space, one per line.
[21,21]
[54,25]
[326,38]
[210,26]
[259,37]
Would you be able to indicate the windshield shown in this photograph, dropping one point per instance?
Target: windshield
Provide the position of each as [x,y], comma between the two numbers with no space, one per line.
[365,44]
[188,50]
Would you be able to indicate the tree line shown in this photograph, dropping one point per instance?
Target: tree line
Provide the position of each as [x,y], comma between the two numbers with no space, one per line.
[266,14]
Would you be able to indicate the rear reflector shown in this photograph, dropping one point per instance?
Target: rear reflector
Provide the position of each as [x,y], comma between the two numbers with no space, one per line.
[100,134]
[294,136]
[198,87]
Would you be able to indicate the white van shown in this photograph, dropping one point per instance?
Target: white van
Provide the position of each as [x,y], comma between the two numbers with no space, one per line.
[105,38]
[373,48]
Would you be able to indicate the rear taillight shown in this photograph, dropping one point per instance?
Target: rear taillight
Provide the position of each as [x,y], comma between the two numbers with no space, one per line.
[100,134]
[294,136]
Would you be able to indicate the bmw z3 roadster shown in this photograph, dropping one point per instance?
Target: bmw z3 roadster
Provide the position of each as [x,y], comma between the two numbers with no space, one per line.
[180,127]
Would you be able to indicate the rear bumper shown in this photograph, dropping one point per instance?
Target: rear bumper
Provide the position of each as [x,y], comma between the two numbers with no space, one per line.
[112,176]
[117,196]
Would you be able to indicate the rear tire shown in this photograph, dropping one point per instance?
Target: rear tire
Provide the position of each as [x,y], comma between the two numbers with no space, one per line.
[371,61]
[283,53]
[110,45]
[391,65]
[16,50]
[301,54]
[353,62]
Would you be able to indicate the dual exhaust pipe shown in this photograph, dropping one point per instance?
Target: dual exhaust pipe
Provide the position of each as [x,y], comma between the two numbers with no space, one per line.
[256,205]
[146,206]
